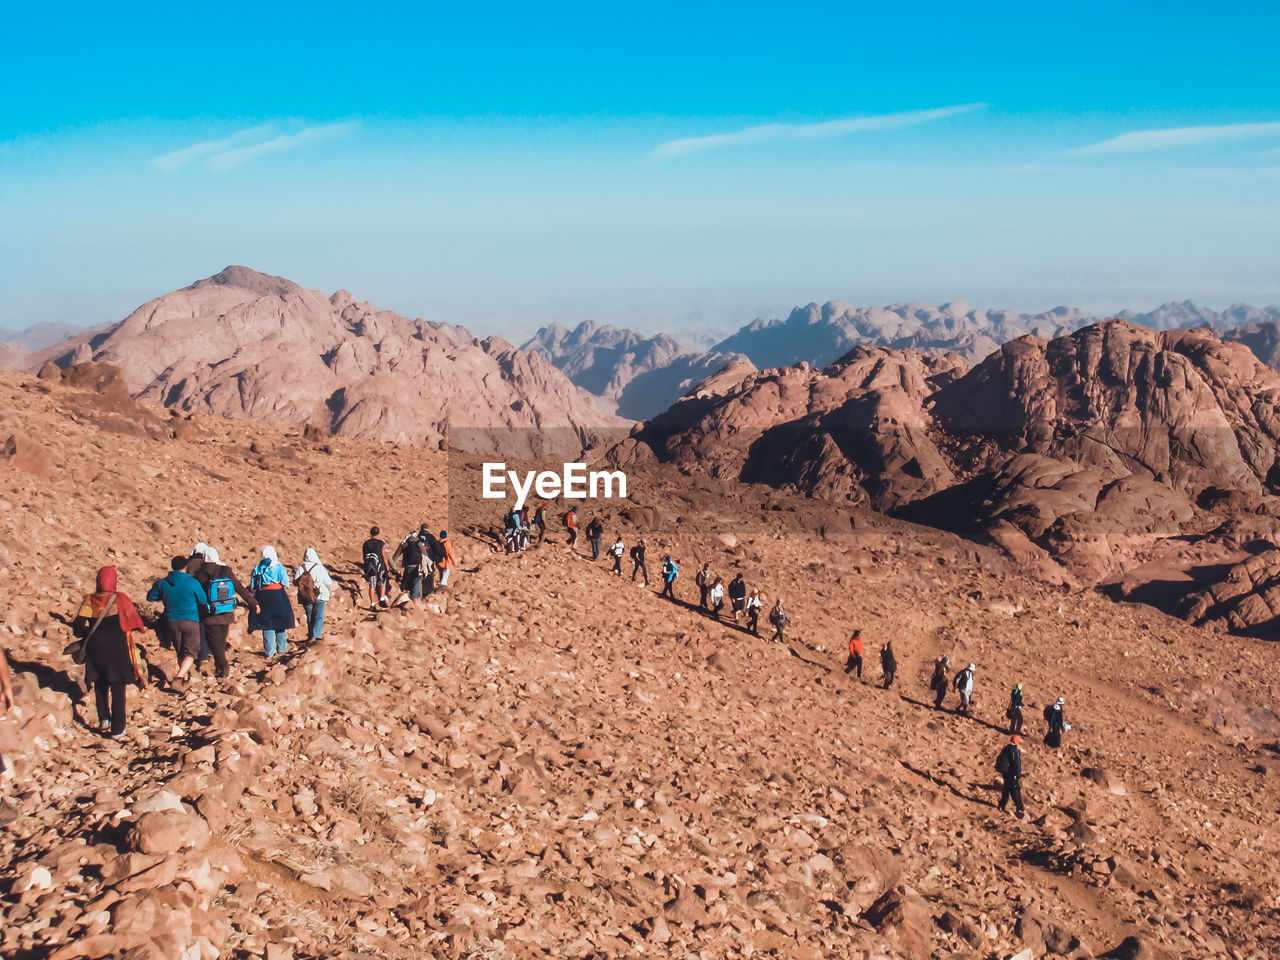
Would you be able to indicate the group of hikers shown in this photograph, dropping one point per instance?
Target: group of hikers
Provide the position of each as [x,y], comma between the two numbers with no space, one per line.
[199,596]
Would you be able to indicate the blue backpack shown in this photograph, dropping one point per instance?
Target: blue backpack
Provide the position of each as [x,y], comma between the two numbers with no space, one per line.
[222,595]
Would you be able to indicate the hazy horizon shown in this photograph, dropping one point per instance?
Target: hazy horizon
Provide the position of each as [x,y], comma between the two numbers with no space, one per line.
[692,169]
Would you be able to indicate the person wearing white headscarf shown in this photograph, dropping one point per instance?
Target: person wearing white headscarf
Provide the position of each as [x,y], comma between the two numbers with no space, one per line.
[274,616]
[222,587]
[311,566]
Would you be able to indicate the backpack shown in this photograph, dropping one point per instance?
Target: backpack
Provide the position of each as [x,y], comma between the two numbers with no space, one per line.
[372,566]
[635,552]
[306,584]
[435,550]
[222,595]
[411,555]
[1002,762]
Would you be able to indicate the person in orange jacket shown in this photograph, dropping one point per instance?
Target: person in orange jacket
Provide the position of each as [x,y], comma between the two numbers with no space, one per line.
[855,654]
[450,558]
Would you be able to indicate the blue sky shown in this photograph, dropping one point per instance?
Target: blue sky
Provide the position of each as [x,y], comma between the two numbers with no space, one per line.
[664,166]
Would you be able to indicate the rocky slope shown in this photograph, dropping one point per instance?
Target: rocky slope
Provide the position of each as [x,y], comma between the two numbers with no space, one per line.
[641,375]
[1091,446]
[545,761]
[246,345]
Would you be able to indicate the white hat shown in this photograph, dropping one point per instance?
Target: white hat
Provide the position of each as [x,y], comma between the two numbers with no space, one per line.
[972,667]
[1061,701]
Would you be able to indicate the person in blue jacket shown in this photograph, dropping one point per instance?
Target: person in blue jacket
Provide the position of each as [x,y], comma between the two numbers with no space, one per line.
[184,601]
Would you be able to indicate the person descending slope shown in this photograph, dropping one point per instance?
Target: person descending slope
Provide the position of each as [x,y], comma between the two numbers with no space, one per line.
[1054,716]
[737,597]
[703,579]
[854,663]
[939,682]
[716,596]
[105,625]
[617,550]
[313,583]
[754,606]
[888,663]
[1009,766]
[184,601]
[669,573]
[377,570]
[778,619]
[1014,713]
[964,684]
[274,617]
[637,563]
[221,587]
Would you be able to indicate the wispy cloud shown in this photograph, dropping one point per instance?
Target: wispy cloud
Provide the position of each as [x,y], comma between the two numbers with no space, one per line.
[1175,138]
[804,132]
[244,146]
[178,159]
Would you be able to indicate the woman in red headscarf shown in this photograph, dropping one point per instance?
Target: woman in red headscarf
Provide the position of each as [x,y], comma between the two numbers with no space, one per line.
[105,624]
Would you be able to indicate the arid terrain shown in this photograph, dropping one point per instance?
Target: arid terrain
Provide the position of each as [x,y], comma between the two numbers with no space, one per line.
[545,761]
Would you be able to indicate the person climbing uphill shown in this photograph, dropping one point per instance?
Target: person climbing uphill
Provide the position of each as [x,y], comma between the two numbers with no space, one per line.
[105,624]
[571,524]
[1009,766]
[888,663]
[1054,716]
[274,617]
[703,580]
[450,560]
[184,602]
[595,530]
[716,596]
[964,685]
[377,569]
[1014,713]
[854,663]
[939,682]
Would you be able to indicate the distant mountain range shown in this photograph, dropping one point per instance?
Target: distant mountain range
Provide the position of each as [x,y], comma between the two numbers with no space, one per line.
[645,375]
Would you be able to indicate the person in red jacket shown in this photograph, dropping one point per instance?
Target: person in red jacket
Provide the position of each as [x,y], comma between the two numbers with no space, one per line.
[855,654]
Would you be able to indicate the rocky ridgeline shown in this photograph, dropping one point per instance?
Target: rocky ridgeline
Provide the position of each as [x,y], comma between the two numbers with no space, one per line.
[546,761]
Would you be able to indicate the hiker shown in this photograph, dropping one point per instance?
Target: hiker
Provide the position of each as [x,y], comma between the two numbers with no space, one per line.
[274,616]
[595,530]
[184,601]
[617,550]
[511,530]
[703,580]
[1009,766]
[854,663]
[221,589]
[1057,721]
[313,583]
[6,685]
[737,596]
[571,522]
[194,563]
[377,570]
[540,519]
[963,683]
[105,625]
[716,595]
[778,618]
[448,561]
[637,563]
[669,573]
[888,663]
[1014,713]
[754,605]
[410,556]
[938,683]
[435,552]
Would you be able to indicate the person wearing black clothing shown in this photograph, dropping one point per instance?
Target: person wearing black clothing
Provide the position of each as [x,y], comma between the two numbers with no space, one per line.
[377,569]
[216,620]
[703,580]
[1014,713]
[888,663]
[737,596]
[409,554]
[434,554]
[595,530]
[1057,724]
[940,681]
[1009,766]
[638,564]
